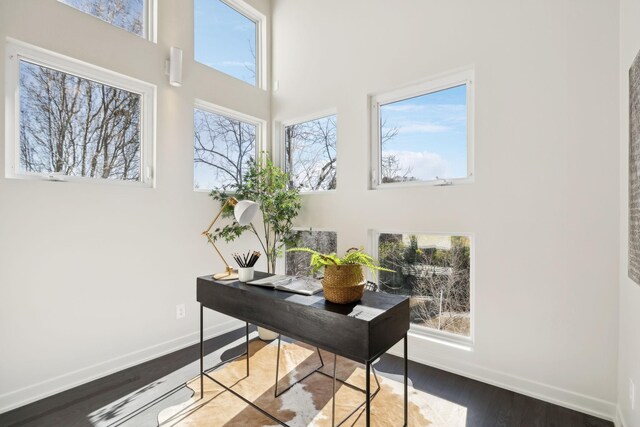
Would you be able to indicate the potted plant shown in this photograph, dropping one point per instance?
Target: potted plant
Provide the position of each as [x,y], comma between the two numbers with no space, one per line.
[343,280]
[265,184]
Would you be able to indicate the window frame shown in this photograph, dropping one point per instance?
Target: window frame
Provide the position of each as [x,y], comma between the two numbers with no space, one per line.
[17,51]
[434,84]
[279,151]
[149,12]
[424,332]
[209,107]
[251,13]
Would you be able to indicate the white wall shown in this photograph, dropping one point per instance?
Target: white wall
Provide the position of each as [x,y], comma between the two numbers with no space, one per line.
[75,302]
[629,356]
[90,274]
[544,205]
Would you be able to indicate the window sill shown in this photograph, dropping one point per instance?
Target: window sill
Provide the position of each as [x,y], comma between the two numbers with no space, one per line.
[314,193]
[442,338]
[79,180]
[435,183]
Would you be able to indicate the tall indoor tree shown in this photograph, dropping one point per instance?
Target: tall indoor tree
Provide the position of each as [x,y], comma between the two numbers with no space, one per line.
[266,184]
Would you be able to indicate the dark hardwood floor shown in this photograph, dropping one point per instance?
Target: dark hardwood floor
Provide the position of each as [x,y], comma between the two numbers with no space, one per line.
[134,396]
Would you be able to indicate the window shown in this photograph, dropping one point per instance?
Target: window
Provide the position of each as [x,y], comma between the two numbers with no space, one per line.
[423,134]
[223,143]
[228,37]
[310,154]
[297,263]
[131,15]
[68,120]
[435,271]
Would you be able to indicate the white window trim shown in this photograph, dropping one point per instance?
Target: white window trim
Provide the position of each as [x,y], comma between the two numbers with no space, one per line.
[434,84]
[150,26]
[422,332]
[235,115]
[279,138]
[260,20]
[323,229]
[16,51]
[151,14]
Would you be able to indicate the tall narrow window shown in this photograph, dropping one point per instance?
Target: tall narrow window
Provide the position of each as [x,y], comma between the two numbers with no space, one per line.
[424,133]
[435,271]
[130,15]
[297,263]
[76,121]
[310,154]
[227,38]
[223,145]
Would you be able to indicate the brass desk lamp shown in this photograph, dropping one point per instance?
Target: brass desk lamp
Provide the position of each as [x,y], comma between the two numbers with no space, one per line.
[243,211]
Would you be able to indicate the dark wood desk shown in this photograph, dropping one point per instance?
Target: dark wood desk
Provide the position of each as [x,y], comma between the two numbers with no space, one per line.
[361,331]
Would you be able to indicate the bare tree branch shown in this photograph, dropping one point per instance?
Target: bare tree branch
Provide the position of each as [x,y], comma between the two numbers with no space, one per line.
[222,148]
[76,126]
[310,154]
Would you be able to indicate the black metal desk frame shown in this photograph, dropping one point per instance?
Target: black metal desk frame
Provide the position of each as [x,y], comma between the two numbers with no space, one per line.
[260,292]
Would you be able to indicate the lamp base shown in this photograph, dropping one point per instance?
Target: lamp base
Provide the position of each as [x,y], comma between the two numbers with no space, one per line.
[226,276]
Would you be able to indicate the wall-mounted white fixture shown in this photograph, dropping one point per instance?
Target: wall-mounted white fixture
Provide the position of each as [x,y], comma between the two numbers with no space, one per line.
[174,67]
[180,311]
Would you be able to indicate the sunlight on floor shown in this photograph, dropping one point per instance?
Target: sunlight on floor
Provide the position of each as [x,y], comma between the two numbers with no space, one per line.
[141,407]
[309,402]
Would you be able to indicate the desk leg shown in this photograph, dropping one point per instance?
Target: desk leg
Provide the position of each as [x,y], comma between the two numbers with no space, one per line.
[368,394]
[406,383]
[247,340]
[201,353]
[333,401]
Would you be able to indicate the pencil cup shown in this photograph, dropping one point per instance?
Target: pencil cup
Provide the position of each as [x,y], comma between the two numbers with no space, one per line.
[245,274]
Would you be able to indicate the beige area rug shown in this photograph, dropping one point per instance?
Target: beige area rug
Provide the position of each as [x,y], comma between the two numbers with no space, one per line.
[307,403]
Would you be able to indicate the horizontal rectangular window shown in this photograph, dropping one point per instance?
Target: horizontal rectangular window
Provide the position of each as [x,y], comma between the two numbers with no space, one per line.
[310,154]
[423,134]
[75,121]
[130,15]
[77,127]
[223,145]
[435,271]
[297,263]
[227,38]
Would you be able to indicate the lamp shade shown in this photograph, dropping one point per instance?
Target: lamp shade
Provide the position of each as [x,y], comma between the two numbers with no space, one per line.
[244,211]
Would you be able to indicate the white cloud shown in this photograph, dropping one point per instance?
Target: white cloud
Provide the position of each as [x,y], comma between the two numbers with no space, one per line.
[422,128]
[423,164]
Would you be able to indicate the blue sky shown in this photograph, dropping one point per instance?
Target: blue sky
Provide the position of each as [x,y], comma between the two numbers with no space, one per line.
[432,137]
[127,18]
[225,39]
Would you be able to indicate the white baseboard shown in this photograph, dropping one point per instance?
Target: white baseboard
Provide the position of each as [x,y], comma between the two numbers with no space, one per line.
[51,386]
[548,393]
[619,421]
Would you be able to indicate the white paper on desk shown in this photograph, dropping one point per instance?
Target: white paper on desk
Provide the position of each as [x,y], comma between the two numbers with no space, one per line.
[300,285]
[295,284]
[271,281]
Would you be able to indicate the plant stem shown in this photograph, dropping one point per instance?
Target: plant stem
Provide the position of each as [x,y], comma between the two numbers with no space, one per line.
[259,239]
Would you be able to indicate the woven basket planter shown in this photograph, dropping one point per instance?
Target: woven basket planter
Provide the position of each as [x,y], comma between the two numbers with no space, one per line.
[343,284]
[343,294]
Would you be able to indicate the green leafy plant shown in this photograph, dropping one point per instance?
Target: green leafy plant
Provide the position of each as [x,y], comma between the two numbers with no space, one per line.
[353,256]
[266,184]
